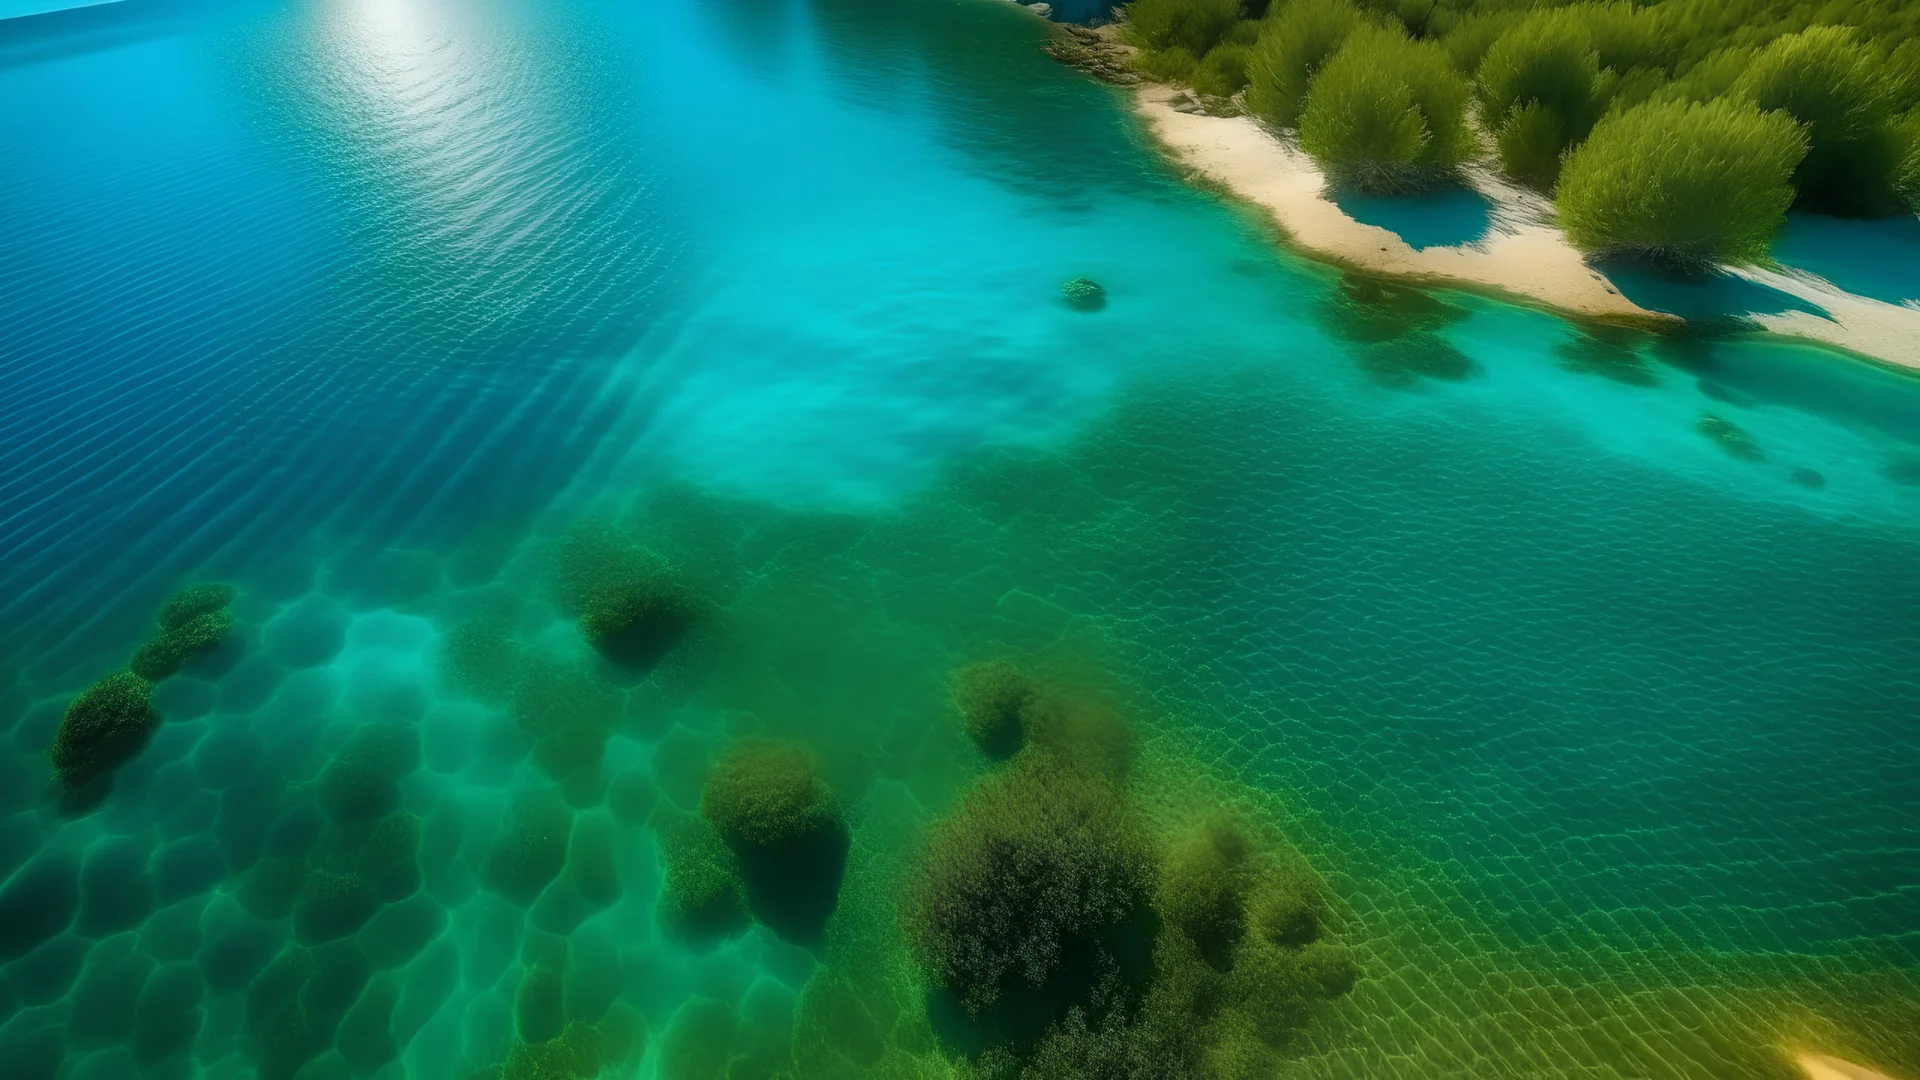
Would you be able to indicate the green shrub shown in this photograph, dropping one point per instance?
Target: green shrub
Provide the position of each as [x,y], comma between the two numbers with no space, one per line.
[702,896]
[1626,36]
[1681,185]
[1035,861]
[1543,74]
[1195,25]
[1223,71]
[1907,179]
[1834,86]
[1292,48]
[765,795]
[1175,65]
[1466,42]
[1387,115]
[194,601]
[1715,75]
[104,726]
[162,657]
[993,699]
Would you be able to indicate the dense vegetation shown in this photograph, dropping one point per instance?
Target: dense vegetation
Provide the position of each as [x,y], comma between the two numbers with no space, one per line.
[1395,95]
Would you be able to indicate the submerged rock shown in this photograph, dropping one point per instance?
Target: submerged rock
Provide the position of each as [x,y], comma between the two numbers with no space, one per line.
[1731,437]
[1084,294]
[1093,53]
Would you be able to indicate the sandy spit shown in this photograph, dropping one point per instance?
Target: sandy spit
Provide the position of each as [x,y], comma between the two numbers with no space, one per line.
[1523,256]
[1860,324]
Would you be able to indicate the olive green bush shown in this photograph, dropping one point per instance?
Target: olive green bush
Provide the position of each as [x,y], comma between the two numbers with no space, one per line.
[1387,115]
[1835,87]
[163,656]
[1538,86]
[1295,43]
[194,601]
[1176,64]
[1194,25]
[1682,185]
[1223,71]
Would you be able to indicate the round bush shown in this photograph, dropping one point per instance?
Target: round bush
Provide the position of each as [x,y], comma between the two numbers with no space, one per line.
[1682,185]
[1835,87]
[104,727]
[993,698]
[1546,61]
[1292,48]
[1034,861]
[194,601]
[1387,115]
[1223,71]
[1195,25]
[162,657]
[765,795]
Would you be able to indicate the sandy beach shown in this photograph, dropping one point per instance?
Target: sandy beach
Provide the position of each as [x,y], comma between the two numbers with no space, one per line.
[1523,256]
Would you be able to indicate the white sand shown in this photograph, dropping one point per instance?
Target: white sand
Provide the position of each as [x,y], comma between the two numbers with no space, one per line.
[1875,328]
[1523,255]
[1822,1067]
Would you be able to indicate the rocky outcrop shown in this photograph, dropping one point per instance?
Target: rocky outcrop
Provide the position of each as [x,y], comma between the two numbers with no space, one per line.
[1095,53]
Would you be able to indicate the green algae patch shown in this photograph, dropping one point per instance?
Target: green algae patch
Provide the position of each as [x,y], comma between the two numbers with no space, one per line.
[362,782]
[480,656]
[766,800]
[164,655]
[103,728]
[1084,294]
[703,897]
[193,602]
[531,848]
[993,697]
[630,606]
[1730,437]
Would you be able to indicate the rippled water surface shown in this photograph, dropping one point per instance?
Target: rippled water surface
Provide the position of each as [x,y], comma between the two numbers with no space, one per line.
[1596,714]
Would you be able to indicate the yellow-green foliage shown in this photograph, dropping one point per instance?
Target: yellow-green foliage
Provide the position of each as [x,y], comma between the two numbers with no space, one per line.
[1539,85]
[194,601]
[1295,43]
[1907,179]
[1176,64]
[1682,184]
[703,896]
[1835,87]
[765,794]
[1223,71]
[103,727]
[1035,860]
[1387,114]
[993,697]
[1194,25]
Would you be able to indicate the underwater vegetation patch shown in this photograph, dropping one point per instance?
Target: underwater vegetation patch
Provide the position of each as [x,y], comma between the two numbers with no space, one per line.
[993,697]
[767,801]
[1084,294]
[1067,935]
[105,725]
[1730,437]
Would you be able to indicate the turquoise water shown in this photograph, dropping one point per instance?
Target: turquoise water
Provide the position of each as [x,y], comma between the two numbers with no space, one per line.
[1599,729]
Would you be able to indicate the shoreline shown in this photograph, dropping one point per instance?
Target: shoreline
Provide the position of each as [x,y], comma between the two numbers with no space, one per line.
[1523,257]
[1823,1067]
[1520,257]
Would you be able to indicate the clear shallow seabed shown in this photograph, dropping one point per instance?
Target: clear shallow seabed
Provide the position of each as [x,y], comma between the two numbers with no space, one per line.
[1603,736]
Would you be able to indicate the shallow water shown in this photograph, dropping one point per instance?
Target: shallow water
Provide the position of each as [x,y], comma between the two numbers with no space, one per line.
[1599,728]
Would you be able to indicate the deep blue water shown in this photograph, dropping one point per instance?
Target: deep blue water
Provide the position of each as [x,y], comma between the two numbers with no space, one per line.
[1601,729]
